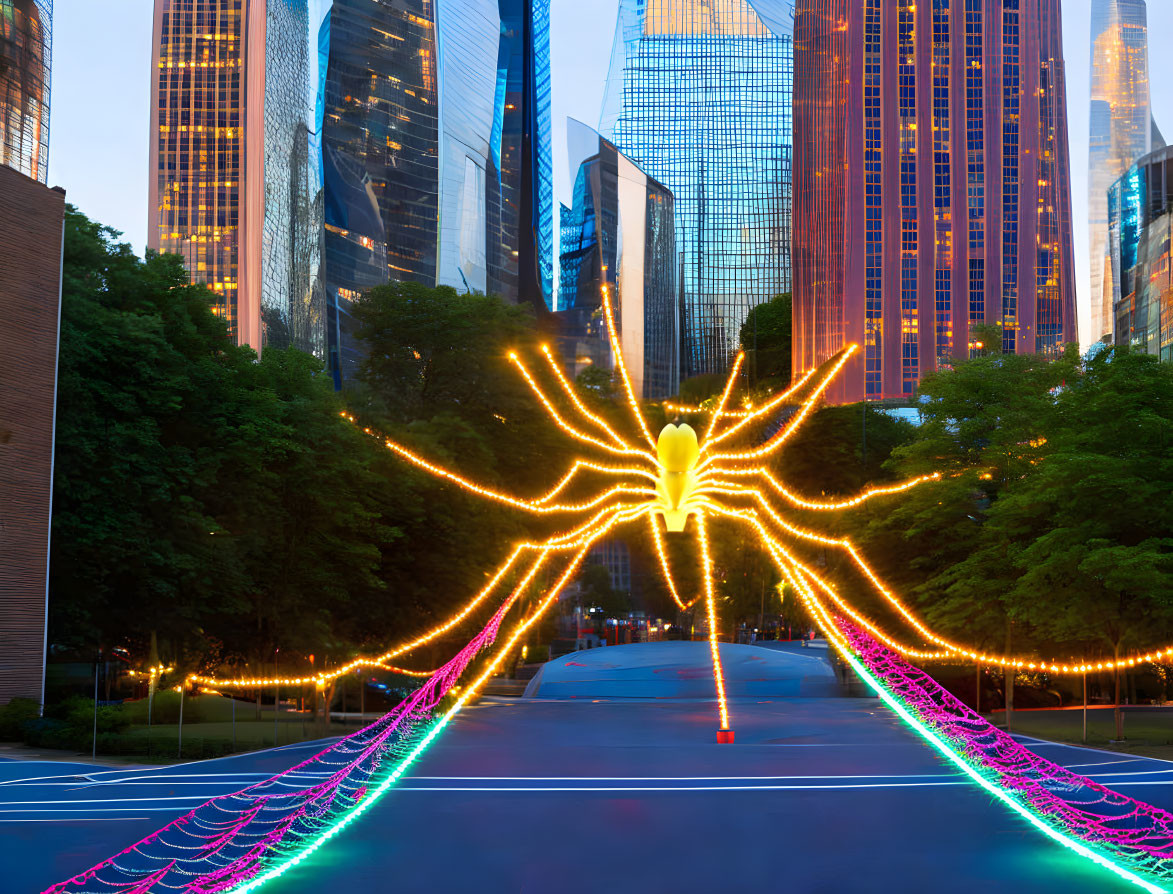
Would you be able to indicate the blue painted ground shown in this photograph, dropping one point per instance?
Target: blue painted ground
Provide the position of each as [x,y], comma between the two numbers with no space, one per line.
[818,796]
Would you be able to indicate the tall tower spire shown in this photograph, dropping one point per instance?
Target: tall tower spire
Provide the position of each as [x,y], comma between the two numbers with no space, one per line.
[1122,130]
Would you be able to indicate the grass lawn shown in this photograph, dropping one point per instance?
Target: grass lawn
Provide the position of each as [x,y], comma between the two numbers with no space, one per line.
[208,728]
[1147,731]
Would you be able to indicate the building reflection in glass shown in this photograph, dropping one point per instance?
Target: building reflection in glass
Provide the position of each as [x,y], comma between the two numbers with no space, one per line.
[1140,221]
[1122,130]
[932,185]
[699,97]
[437,153]
[620,232]
[234,185]
[25,57]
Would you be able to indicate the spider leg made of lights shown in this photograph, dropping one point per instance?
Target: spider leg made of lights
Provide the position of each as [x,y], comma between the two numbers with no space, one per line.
[236,843]
[681,477]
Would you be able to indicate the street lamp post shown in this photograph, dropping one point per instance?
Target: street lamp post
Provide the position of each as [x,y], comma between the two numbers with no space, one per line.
[97,667]
[276,694]
[1085,707]
[182,693]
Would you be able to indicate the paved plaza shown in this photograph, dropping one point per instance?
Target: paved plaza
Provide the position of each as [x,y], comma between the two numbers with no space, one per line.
[609,794]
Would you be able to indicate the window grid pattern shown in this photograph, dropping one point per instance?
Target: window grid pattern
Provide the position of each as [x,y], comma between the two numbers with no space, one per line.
[706,112]
[1140,221]
[974,109]
[873,116]
[975,139]
[1011,110]
[909,224]
[25,64]
[200,143]
[943,181]
[1049,266]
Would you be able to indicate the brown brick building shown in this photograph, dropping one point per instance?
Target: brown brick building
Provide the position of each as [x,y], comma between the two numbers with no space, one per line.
[31,226]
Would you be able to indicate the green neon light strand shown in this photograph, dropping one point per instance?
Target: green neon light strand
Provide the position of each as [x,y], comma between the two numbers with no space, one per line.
[929,736]
[356,811]
[890,700]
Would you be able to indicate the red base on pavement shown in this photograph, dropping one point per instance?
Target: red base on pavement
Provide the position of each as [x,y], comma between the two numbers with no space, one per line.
[724,737]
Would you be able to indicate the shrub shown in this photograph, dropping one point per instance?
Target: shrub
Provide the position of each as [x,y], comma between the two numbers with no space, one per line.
[14,715]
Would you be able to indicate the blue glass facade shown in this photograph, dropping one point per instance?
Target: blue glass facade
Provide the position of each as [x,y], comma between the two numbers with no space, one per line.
[1122,130]
[1140,221]
[292,302]
[620,231]
[437,152]
[699,96]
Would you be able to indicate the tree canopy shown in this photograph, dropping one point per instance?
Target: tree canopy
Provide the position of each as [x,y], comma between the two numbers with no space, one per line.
[766,339]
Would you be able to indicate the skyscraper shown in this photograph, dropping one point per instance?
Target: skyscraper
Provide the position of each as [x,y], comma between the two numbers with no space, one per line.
[619,232]
[25,56]
[234,174]
[1140,251]
[1122,130]
[932,185]
[699,97]
[436,143]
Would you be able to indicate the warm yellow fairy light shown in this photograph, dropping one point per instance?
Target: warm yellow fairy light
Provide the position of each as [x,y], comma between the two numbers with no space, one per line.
[658,539]
[567,427]
[688,410]
[849,503]
[578,404]
[617,353]
[528,505]
[724,398]
[594,467]
[955,649]
[566,542]
[762,411]
[711,609]
[522,627]
[783,556]
[705,491]
[791,427]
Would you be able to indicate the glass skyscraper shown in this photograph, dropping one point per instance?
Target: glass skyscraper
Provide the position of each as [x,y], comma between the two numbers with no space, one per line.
[620,231]
[436,145]
[234,173]
[932,185]
[699,98]
[1140,224]
[25,58]
[1122,131]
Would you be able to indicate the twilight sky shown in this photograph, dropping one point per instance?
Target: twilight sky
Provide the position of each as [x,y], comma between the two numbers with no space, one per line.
[101,61]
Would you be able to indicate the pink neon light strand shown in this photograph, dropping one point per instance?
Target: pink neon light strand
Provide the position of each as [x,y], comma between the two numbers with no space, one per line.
[233,838]
[1131,832]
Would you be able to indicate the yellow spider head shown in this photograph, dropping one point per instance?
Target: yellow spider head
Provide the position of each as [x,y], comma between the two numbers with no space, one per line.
[678,452]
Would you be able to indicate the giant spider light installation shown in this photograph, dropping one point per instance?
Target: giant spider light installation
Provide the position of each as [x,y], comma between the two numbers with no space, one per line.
[237,842]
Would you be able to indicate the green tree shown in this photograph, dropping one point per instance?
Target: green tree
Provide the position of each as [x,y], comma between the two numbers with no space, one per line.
[1093,520]
[217,504]
[148,383]
[983,427]
[599,383]
[766,338]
